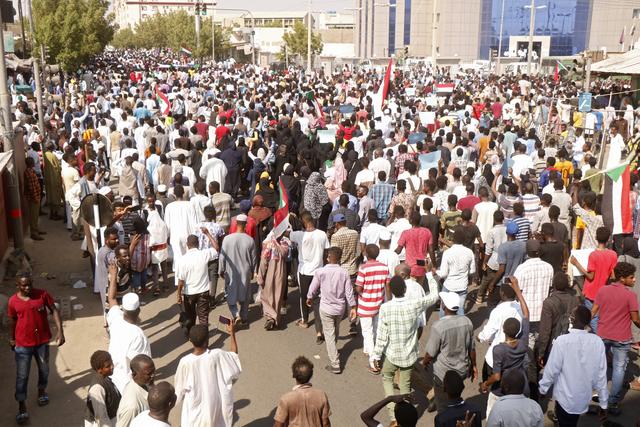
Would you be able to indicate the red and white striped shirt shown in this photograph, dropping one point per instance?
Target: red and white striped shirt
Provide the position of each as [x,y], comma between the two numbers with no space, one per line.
[372,278]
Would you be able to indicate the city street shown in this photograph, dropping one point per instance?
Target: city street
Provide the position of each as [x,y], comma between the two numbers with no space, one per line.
[266,356]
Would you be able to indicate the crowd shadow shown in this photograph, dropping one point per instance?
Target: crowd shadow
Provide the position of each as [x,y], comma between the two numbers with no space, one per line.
[262,422]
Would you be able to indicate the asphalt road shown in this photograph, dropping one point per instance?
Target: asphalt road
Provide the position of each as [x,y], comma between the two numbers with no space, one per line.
[266,356]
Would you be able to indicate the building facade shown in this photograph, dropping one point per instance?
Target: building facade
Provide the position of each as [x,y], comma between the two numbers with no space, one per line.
[470,29]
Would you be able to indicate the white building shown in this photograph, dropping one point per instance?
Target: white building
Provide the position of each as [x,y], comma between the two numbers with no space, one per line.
[128,13]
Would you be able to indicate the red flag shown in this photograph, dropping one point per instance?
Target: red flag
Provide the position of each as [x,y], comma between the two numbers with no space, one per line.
[281,216]
[387,79]
[556,74]
[622,36]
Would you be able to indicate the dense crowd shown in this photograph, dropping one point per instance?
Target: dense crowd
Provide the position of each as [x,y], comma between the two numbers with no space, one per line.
[451,192]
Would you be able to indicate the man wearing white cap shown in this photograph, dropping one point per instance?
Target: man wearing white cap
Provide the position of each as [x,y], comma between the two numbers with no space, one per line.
[127,340]
[236,265]
[450,347]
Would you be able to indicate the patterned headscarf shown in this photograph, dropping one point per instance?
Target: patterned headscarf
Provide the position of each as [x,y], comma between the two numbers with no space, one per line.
[315,195]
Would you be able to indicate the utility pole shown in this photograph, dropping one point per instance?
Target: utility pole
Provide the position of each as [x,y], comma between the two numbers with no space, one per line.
[197,16]
[14,208]
[532,17]
[213,31]
[500,39]
[587,71]
[37,76]
[309,39]
[434,32]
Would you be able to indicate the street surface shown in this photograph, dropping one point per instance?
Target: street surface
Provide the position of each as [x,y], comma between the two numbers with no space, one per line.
[266,355]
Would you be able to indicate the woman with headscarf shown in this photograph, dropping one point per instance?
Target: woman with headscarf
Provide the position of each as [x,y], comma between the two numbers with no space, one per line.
[140,255]
[272,278]
[291,185]
[315,197]
[631,254]
[264,220]
[265,189]
[254,174]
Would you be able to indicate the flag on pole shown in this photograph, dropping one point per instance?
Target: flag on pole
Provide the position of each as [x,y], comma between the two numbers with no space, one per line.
[380,97]
[621,41]
[281,216]
[163,102]
[185,51]
[556,74]
[633,30]
[313,102]
[616,209]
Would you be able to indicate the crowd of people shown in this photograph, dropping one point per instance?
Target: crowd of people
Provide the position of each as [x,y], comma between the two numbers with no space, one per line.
[417,210]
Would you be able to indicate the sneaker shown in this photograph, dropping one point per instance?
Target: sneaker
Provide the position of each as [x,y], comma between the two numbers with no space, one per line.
[36,237]
[332,369]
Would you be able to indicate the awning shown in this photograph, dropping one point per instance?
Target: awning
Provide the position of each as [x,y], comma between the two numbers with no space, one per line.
[627,64]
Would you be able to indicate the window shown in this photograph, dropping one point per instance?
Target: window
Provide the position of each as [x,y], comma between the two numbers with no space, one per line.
[392,28]
[636,14]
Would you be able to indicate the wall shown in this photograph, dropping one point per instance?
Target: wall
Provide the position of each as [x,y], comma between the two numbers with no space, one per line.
[608,21]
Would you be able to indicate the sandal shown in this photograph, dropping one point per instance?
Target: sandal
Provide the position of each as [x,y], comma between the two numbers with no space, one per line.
[156,293]
[43,400]
[634,385]
[22,417]
[302,324]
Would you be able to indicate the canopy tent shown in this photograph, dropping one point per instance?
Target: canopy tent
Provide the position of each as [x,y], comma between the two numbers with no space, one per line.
[628,64]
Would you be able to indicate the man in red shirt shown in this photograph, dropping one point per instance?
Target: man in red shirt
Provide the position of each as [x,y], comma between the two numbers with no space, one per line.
[203,129]
[599,268]
[371,283]
[222,131]
[417,242]
[29,336]
[470,200]
[617,306]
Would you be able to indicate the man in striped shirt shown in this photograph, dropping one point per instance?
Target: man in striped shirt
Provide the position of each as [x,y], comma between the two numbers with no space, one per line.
[524,225]
[370,287]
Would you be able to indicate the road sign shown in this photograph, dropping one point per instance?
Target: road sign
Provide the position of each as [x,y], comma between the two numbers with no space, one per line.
[584,102]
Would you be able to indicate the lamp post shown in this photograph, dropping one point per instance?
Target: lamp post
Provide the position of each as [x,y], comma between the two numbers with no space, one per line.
[356,29]
[500,39]
[532,23]
[390,6]
[309,38]
[213,31]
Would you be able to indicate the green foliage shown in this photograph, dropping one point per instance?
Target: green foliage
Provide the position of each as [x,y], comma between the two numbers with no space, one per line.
[72,30]
[296,41]
[174,30]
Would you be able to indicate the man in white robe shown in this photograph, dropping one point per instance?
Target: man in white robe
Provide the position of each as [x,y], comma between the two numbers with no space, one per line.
[181,220]
[213,169]
[204,379]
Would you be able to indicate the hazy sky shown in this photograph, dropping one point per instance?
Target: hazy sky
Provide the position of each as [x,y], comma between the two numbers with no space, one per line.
[287,5]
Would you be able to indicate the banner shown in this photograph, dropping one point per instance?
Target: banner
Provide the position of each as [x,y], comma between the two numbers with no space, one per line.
[427,117]
[429,160]
[326,136]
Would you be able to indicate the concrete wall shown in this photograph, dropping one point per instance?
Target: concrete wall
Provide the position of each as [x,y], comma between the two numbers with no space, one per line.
[608,19]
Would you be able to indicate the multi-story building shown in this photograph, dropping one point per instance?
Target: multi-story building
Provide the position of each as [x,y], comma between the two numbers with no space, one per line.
[128,13]
[470,29]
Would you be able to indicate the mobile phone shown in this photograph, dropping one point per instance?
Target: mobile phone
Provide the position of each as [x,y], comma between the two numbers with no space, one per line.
[224,320]
[421,262]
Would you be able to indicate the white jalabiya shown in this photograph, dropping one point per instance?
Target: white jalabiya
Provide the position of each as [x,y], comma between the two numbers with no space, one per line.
[203,384]
[181,220]
[158,234]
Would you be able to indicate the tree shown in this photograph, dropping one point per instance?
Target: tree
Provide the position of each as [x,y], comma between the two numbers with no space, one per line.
[174,30]
[296,41]
[72,30]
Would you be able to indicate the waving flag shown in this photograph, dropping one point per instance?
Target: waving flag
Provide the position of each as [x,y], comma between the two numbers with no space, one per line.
[380,97]
[163,102]
[281,216]
[313,102]
[616,209]
[185,51]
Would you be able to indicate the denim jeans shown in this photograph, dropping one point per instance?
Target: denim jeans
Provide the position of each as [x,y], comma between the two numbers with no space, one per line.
[463,298]
[620,358]
[139,279]
[23,366]
[594,319]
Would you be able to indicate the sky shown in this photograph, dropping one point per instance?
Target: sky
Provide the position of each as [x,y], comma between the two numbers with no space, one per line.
[288,5]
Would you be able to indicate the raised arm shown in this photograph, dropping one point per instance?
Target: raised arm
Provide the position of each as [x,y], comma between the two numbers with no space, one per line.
[518,292]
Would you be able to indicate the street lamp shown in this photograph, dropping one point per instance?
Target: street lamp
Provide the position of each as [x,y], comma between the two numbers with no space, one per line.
[309,38]
[390,6]
[532,22]
[356,30]
[500,39]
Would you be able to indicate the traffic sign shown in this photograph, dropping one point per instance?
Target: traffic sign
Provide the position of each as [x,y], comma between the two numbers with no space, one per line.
[584,102]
